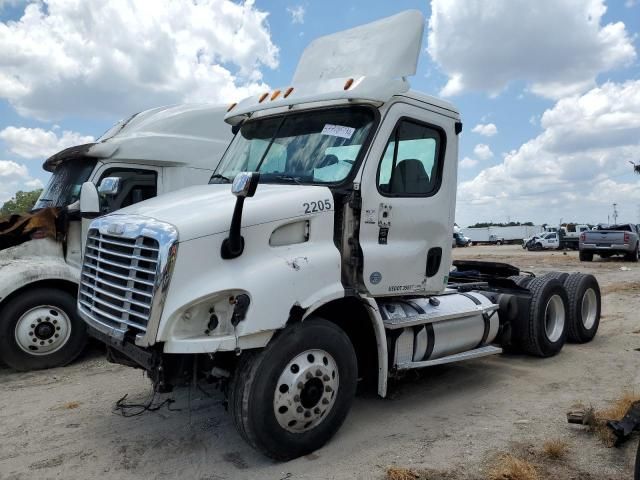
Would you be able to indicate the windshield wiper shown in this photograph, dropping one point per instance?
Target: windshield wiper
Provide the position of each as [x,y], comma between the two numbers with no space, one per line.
[288,178]
[221,177]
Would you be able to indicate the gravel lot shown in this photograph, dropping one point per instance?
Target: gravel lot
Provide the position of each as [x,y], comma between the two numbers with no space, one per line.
[453,419]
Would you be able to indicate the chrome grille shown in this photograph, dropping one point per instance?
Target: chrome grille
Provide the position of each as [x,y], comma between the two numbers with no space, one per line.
[118,279]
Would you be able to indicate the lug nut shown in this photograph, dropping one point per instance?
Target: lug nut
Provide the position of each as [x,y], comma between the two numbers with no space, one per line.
[31,334]
[300,385]
[307,414]
[325,401]
[296,398]
[328,389]
[50,341]
[57,328]
[318,373]
[35,340]
[33,325]
[55,321]
[56,335]
[325,378]
[299,409]
[39,320]
[316,411]
[309,376]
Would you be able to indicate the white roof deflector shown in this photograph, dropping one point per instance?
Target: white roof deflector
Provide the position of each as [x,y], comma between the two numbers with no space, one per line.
[387,48]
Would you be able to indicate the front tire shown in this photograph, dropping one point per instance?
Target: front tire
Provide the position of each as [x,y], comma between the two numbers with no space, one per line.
[40,329]
[292,397]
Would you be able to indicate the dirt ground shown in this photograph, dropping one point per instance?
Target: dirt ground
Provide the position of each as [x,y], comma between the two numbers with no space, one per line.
[452,420]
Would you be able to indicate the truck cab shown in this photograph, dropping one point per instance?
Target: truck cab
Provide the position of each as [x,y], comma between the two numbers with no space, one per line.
[149,154]
[319,254]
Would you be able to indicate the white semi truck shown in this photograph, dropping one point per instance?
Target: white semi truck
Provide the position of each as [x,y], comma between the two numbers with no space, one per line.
[151,153]
[319,255]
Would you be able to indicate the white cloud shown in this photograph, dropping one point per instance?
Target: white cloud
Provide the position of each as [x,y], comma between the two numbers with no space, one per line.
[574,169]
[297,14]
[557,47]
[468,162]
[630,3]
[39,143]
[485,129]
[12,171]
[482,151]
[13,177]
[117,57]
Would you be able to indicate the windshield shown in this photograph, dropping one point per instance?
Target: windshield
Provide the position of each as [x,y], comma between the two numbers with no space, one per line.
[307,147]
[64,185]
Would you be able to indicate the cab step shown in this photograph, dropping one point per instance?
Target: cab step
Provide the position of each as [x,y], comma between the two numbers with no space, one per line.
[458,357]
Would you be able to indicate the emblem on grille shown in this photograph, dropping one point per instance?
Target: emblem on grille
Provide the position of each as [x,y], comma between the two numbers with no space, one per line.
[115,229]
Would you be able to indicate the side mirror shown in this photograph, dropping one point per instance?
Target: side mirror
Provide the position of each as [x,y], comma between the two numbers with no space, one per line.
[245,184]
[109,186]
[89,201]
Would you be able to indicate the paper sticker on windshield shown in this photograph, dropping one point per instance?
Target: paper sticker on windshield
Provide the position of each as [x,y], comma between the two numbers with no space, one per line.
[338,131]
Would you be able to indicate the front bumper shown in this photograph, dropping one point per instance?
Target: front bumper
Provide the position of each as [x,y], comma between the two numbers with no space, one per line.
[141,357]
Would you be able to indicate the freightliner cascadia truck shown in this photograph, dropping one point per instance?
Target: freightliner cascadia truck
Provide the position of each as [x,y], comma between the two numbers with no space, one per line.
[151,153]
[318,256]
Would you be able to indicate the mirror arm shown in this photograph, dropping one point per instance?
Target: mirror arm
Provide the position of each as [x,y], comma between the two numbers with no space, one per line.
[233,245]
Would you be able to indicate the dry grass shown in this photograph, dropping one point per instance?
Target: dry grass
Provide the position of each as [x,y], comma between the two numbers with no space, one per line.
[555,448]
[508,467]
[598,418]
[399,473]
[621,287]
[71,405]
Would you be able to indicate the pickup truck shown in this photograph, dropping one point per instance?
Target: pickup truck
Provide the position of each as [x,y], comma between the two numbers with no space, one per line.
[545,241]
[609,240]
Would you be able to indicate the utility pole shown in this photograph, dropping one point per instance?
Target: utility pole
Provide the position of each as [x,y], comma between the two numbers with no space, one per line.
[615,213]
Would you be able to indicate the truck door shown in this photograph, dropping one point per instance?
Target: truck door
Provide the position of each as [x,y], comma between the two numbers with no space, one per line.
[408,188]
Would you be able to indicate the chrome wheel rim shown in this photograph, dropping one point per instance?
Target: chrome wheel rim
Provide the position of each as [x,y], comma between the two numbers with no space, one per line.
[42,330]
[589,308]
[306,391]
[554,318]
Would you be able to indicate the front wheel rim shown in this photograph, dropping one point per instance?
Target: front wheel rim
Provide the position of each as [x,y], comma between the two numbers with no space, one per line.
[589,308]
[554,317]
[42,330]
[306,391]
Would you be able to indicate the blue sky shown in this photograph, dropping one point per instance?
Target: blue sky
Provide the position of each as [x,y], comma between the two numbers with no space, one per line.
[515,106]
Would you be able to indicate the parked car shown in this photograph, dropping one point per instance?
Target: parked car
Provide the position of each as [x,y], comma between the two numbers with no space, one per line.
[546,241]
[609,240]
[459,240]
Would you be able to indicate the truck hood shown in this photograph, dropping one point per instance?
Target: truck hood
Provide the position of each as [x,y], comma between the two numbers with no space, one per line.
[207,209]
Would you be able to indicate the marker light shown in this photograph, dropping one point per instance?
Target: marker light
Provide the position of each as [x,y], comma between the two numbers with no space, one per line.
[274,95]
[348,83]
[288,91]
[232,106]
[263,96]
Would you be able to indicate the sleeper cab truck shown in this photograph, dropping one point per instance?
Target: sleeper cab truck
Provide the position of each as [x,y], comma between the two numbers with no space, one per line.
[149,154]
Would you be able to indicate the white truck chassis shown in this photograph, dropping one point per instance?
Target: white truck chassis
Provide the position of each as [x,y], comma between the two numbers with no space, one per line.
[332,263]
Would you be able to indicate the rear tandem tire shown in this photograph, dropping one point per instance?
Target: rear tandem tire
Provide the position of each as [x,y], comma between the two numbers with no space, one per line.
[545,331]
[584,307]
[586,256]
[522,280]
[281,413]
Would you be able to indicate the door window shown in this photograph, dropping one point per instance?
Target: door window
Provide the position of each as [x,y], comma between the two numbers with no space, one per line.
[411,164]
[136,185]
